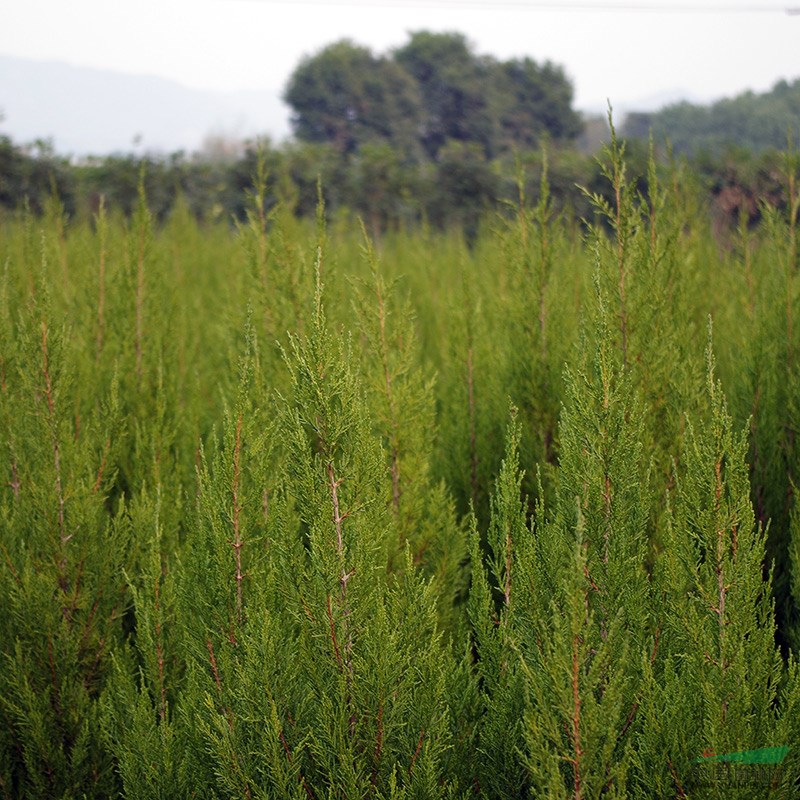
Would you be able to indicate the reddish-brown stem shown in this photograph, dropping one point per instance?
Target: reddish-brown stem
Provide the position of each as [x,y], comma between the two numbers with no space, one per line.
[678,785]
[473,449]
[140,297]
[101,469]
[630,718]
[237,539]
[337,517]
[337,652]
[10,564]
[213,660]
[288,752]
[590,579]
[387,377]
[576,719]
[51,411]
[378,746]
[162,710]
[285,747]
[417,751]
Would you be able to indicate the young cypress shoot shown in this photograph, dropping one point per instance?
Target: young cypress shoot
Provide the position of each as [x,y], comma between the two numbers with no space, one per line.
[369,653]
[774,381]
[310,671]
[400,397]
[56,221]
[649,289]
[62,587]
[224,570]
[593,624]
[138,704]
[471,424]
[536,353]
[495,595]
[721,669]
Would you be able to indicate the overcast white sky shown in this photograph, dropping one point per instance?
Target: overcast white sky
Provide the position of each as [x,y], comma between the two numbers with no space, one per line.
[707,50]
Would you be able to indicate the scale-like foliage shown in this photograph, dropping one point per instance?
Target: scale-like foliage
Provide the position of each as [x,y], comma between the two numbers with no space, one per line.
[233,548]
[719,670]
[401,399]
[593,621]
[62,587]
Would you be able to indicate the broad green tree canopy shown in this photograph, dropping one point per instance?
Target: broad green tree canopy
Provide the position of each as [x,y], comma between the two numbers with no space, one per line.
[432,90]
[346,96]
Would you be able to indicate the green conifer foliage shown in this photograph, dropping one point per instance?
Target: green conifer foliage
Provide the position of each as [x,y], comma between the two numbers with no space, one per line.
[274,278]
[772,389]
[499,607]
[571,602]
[401,398]
[584,654]
[471,422]
[233,563]
[538,327]
[719,668]
[139,702]
[652,293]
[311,670]
[372,660]
[63,595]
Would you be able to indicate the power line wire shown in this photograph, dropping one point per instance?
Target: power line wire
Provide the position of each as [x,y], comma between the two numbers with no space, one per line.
[567,5]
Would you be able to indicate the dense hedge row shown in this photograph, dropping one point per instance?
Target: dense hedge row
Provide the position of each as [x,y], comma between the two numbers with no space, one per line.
[289,512]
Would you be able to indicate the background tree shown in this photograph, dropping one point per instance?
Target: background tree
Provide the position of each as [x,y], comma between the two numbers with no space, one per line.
[452,82]
[755,121]
[33,173]
[531,101]
[346,96]
[465,186]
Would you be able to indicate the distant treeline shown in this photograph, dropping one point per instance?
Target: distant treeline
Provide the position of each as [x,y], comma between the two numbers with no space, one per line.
[454,190]
[750,121]
[430,134]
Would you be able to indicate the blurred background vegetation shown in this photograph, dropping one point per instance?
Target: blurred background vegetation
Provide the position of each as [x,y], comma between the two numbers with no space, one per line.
[431,133]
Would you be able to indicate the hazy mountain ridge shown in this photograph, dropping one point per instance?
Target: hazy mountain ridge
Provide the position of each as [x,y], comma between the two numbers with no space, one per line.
[90,111]
[86,111]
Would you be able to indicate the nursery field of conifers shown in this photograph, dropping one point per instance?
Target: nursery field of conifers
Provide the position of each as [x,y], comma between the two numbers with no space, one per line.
[290,512]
